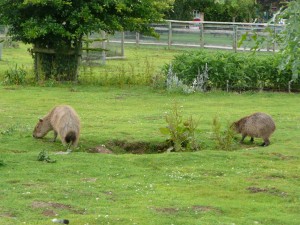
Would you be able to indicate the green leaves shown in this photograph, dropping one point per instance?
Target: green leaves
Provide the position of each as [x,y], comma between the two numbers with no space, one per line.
[239,72]
[181,133]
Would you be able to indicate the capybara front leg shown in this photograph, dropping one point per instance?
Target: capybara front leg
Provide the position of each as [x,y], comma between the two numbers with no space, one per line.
[243,137]
[55,136]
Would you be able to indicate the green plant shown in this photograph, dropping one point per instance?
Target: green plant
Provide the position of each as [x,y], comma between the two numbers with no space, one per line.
[16,75]
[181,132]
[2,162]
[44,157]
[57,30]
[224,139]
[231,71]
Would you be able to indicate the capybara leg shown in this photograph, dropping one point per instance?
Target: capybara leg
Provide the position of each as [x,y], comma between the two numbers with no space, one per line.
[266,143]
[252,139]
[55,136]
[243,137]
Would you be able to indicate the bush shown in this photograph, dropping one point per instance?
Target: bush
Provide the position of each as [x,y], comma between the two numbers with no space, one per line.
[224,139]
[181,132]
[15,75]
[237,72]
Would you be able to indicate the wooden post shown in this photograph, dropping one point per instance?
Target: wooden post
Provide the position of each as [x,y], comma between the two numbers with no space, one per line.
[234,47]
[1,47]
[201,27]
[170,35]
[122,44]
[137,39]
[103,45]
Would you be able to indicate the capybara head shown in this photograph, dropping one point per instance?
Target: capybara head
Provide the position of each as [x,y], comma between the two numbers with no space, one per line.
[41,129]
[236,126]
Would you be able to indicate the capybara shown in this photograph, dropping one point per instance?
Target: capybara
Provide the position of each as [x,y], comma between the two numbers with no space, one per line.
[259,125]
[64,121]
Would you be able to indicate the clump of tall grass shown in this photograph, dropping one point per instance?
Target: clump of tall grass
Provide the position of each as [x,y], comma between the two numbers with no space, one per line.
[224,139]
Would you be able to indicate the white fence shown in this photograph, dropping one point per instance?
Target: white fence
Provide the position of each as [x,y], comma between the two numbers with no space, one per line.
[218,35]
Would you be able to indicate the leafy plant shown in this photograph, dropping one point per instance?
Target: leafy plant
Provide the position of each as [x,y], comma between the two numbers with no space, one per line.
[181,132]
[16,75]
[224,139]
[43,156]
[231,71]
[287,37]
[2,162]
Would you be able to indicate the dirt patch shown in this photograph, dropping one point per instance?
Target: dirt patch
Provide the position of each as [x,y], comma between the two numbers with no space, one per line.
[138,147]
[50,207]
[7,215]
[203,208]
[282,157]
[273,191]
[195,208]
[49,213]
[167,210]
[257,189]
[100,149]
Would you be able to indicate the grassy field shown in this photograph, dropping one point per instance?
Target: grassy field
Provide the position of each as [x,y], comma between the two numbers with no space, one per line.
[251,185]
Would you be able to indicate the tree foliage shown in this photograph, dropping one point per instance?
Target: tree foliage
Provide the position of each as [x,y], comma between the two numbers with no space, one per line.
[289,38]
[61,24]
[215,10]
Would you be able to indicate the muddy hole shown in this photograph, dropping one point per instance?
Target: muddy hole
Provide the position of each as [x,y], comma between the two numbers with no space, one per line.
[135,147]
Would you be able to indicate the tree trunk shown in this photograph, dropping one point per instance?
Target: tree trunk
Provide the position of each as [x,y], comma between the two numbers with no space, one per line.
[60,65]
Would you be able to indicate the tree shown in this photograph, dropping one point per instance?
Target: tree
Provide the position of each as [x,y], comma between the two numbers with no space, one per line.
[56,27]
[243,9]
[289,38]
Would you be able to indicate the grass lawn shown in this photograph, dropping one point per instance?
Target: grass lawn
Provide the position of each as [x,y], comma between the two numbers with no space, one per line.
[251,185]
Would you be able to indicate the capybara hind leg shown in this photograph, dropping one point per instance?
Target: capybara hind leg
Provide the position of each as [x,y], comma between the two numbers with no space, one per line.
[252,139]
[266,143]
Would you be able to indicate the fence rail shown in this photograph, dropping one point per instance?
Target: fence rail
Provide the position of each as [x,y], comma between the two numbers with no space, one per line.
[218,35]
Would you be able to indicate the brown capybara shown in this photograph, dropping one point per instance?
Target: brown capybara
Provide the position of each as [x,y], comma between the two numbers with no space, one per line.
[65,123]
[259,125]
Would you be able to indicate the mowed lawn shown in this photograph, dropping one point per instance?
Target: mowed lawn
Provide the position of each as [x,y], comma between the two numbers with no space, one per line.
[250,185]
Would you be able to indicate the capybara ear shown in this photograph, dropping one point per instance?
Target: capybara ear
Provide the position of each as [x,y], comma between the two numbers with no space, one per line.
[41,120]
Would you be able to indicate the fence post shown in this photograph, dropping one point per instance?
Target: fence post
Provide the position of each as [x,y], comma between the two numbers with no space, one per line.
[274,43]
[1,46]
[122,44]
[103,43]
[201,35]
[137,38]
[170,35]
[234,47]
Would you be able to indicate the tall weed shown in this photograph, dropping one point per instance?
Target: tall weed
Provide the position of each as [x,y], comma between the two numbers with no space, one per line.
[181,133]
[224,138]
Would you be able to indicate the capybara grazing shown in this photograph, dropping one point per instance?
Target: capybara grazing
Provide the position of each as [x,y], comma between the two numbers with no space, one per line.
[65,123]
[257,125]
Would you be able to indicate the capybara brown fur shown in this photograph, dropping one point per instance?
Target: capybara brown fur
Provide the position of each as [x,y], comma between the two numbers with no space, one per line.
[64,121]
[257,125]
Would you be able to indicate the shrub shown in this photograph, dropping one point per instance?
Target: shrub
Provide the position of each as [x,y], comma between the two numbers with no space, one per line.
[227,70]
[15,75]
[224,139]
[181,132]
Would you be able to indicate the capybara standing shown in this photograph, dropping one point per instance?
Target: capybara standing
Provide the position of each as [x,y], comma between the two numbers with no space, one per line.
[259,125]
[64,121]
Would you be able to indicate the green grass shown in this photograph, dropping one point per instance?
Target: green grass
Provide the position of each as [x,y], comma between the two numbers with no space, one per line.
[251,185]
